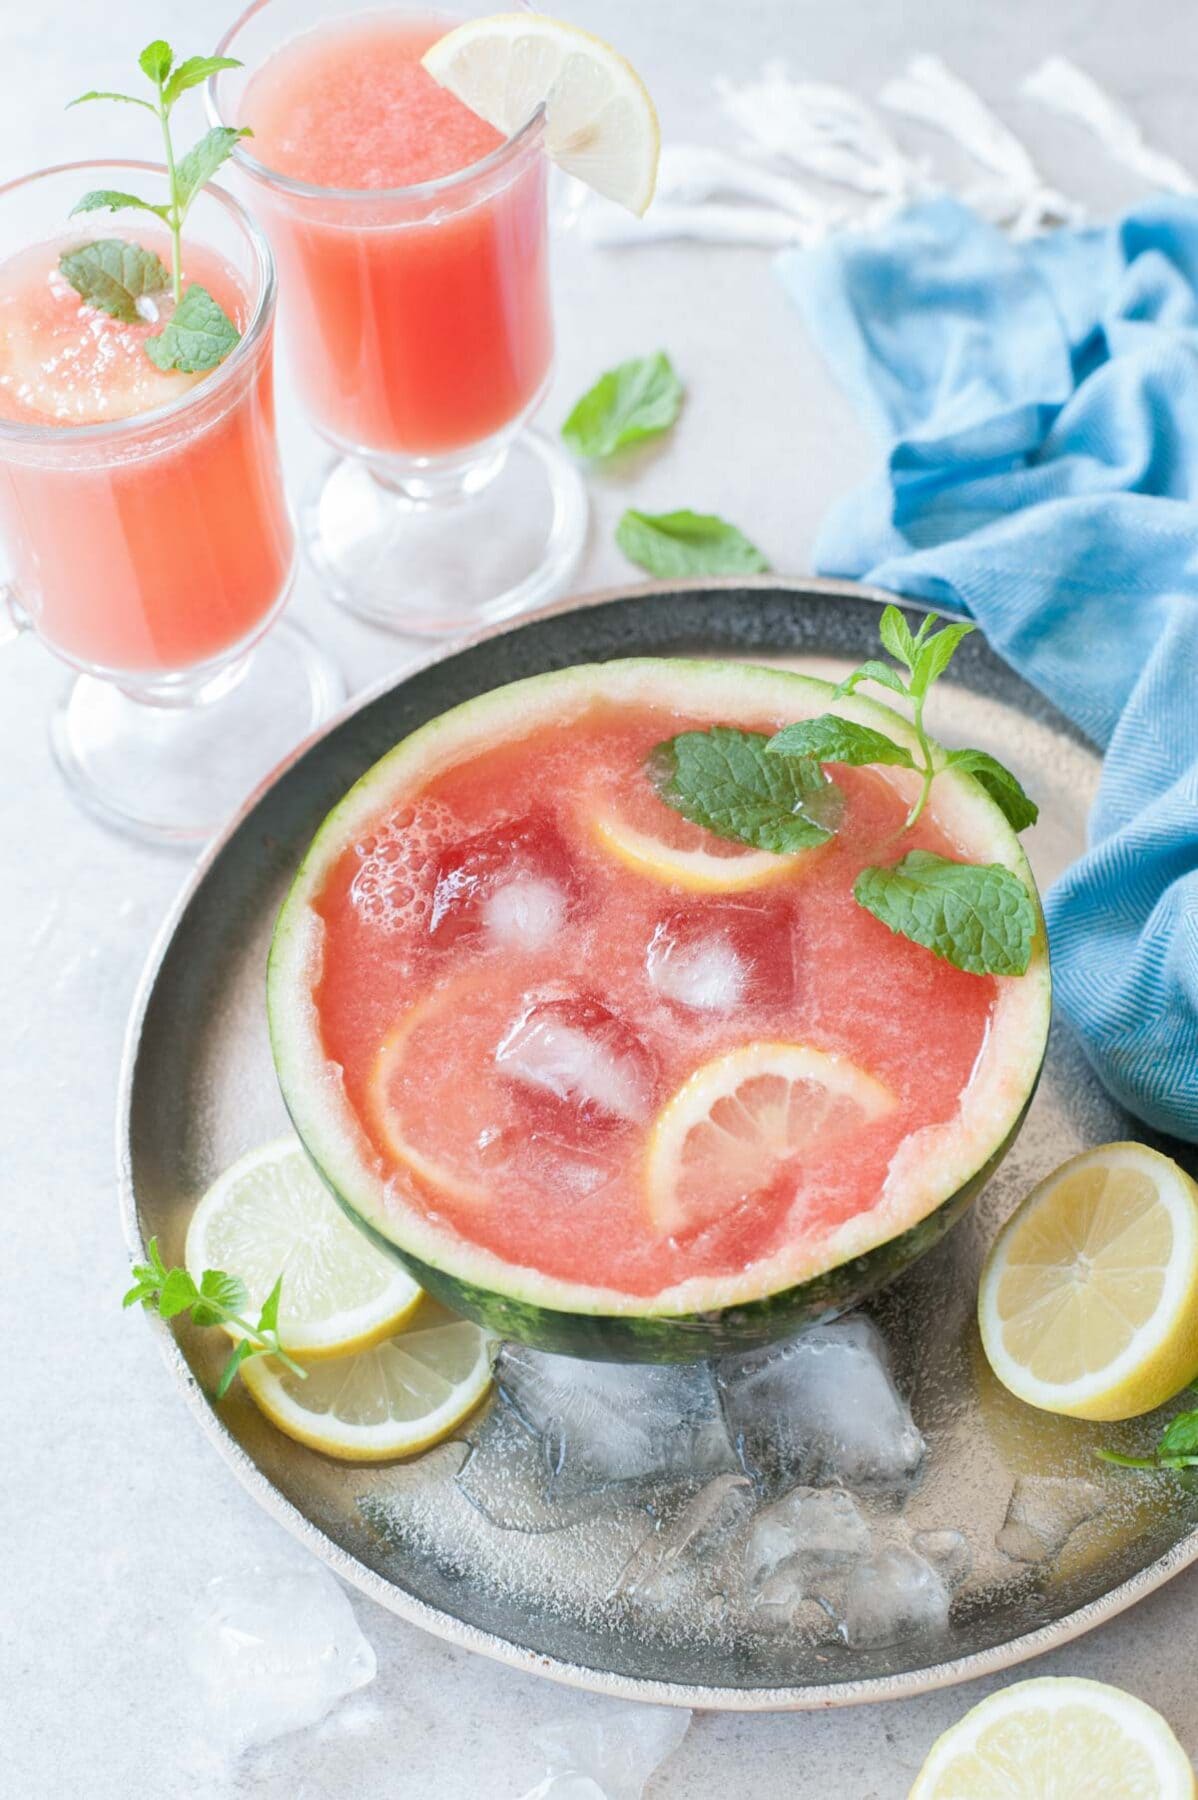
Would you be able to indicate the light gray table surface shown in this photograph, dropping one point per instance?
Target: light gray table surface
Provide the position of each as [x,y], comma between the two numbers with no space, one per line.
[114,1512]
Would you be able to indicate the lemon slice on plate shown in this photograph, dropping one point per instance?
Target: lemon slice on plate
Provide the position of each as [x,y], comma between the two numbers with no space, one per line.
[1057,1738]
[271,1214]
[600,123]
[738,1119]
[1088,1303]
[694,868]
[391,1400]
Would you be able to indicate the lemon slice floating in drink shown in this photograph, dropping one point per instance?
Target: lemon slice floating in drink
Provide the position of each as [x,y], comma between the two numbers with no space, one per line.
[390,1400]
[600,123]
[271,1214]
[691,866]
[1088,1302]
[731,1128]
[1062,1736]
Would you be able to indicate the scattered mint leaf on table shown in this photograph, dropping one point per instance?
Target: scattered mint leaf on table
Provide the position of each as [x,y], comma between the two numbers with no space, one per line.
[635,400]
[835,740]
[199,336]
[687,543]
[723,780]
[977,916]
[219,1299]
[1003,787]
[114,275]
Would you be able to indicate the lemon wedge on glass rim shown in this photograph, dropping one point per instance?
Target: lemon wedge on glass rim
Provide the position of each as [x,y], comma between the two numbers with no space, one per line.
[600,123]
[1057,1738]
[1088,1303]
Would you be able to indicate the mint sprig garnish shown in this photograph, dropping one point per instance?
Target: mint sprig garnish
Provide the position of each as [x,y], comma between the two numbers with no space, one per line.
[205,336]
[687,543]
[637,399]
[218,1299]
[977,916]
[1177,1448]
[723,780]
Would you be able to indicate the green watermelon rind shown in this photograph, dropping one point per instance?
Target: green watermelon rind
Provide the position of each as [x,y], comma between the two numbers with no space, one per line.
[700,1317]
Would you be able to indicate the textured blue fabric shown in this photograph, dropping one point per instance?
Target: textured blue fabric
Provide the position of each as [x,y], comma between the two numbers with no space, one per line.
[1040,407]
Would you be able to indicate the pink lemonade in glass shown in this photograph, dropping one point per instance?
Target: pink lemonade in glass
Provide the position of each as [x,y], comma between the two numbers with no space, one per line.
[143,519]
[423,335]
[562,1047]
[412,242]
[178,548]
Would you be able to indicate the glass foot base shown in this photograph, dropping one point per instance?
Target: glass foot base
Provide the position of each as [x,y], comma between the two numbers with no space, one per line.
[171,774]
[440,567]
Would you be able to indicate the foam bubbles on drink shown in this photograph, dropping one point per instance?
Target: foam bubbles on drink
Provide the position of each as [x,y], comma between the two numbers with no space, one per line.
[390,889]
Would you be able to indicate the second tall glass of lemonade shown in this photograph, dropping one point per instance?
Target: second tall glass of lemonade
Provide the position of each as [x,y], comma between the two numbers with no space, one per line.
[412,245]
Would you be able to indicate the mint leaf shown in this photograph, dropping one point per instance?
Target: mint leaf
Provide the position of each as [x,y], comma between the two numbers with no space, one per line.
[999,783]
[106,94]
[896,637]
[723,780]
[220,1295]
[113,275]
[243,1350]
[268,1318]
[200,335]
[193,71]
[179,1292]
[1179,1441]
[835,740]
[635,400]
[687,543]
[979,917]
[871,671]
[113,200]
[204,159]
[156,59]
[933,657]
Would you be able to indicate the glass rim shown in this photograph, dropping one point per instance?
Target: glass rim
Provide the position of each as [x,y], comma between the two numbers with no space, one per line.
[530,133]
[20,431]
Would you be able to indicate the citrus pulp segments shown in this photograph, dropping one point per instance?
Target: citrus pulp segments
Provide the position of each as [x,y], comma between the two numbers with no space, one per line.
[742,1114]
[1088,1303]
[270,1214]
[931,1179]
[600,123]
[392,1399]
[1062,1738]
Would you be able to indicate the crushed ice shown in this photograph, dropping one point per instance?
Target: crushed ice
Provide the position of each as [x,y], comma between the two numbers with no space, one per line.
[273,1649]
[1043,1513]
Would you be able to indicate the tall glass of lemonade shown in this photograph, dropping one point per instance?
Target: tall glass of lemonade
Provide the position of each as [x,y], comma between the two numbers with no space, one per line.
[412,244]
[143,516]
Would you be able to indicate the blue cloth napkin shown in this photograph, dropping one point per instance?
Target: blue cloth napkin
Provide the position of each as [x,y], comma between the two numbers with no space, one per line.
[1039,403]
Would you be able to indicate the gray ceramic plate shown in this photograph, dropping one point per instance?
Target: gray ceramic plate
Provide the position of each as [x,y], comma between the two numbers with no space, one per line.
[198,1089]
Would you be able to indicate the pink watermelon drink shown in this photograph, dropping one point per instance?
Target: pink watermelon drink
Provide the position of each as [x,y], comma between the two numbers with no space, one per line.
[603,1075]
[143,510]
[411,243]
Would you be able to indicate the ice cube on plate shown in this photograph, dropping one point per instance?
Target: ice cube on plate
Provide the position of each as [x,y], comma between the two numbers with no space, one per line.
[947,1550]
[795,1543]
[1043,1513]
[505,1477]
[611,1755]
[891,1597]
[273,1650]
[578,1053]
[820,1409]
[525,913]
[601,1423]
[697,1536]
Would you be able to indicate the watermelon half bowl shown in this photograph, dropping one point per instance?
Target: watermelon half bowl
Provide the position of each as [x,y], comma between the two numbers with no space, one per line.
[933,1176]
